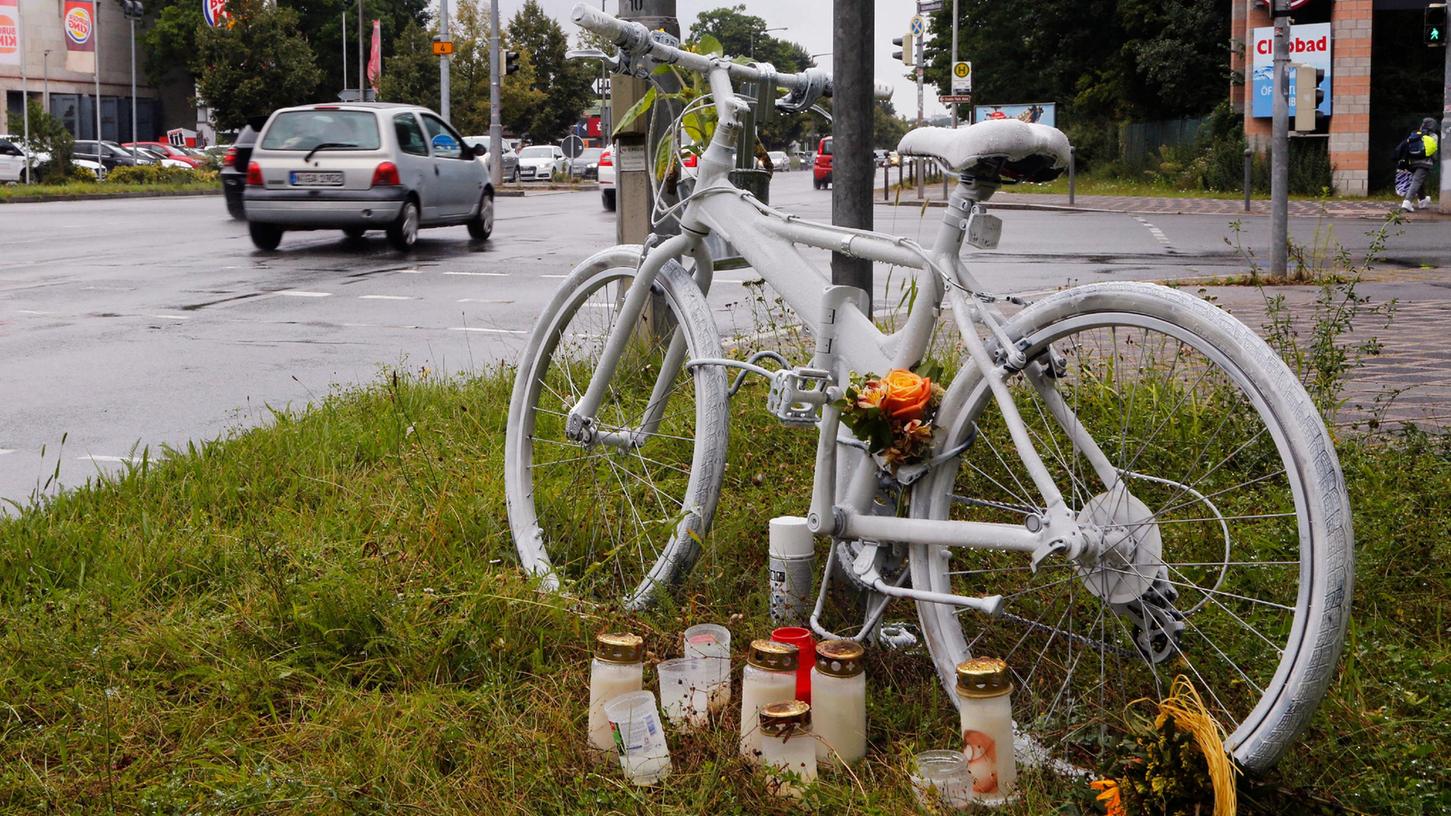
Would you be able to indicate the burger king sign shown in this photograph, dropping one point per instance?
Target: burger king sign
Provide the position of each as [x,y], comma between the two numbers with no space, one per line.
[9,32]
[79,25]
[215,12]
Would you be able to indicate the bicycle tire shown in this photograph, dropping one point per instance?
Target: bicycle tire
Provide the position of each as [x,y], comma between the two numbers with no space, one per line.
[563,520]
[1321,538]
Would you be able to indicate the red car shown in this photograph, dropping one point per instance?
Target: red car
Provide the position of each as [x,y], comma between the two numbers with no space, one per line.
[171,152]
[821,168]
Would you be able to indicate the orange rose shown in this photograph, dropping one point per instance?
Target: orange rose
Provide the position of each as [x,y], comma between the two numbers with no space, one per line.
[907,394]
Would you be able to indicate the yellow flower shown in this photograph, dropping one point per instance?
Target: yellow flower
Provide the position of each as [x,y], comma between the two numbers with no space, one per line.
[1109,796]
[873,394]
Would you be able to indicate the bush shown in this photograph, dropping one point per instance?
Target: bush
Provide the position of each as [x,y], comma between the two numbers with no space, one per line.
[50,135]
[80,175]
[156,174]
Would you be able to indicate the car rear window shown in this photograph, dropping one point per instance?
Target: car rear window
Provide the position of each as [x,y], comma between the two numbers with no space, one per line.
[826,147]
[306,129]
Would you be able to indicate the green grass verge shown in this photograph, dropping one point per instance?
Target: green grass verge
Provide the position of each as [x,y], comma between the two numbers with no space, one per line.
[325,616]
[26,192]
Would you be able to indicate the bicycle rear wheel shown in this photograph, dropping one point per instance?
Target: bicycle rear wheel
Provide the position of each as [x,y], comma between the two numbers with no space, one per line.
[617,519]
[1233,565]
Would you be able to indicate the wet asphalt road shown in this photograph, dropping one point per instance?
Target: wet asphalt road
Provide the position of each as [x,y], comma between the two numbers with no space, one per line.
[139,323]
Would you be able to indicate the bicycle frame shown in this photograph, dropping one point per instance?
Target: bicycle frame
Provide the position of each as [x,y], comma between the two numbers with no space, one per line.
[847,341]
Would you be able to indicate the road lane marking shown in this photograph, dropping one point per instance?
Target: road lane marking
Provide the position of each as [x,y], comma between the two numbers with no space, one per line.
[302,293]
[386,297]
[487,331]
[1155,231]
[411,271]
[482,300]
[554,277]
[4,451]
[31,312]
[481,274]
[166,317]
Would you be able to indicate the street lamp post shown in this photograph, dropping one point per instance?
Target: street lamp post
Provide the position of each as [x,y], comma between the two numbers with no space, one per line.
[45,70]
[762,31]
[133,11]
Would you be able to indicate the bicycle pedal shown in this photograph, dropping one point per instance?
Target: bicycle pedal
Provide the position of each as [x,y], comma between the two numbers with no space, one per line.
[897,636]
[797,395]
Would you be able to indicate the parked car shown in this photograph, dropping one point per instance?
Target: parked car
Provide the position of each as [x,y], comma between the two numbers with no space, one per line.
[541,162]
[879,157]
[587,164]
[234,170]
[39,159]
[161,158]
[780,162]
[821,168]
[607,178]
[361,166]
[110,155]
[509,159]
[13,164]
[170,151]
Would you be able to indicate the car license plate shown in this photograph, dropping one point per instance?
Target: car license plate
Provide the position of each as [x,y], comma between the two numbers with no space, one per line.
[313,178]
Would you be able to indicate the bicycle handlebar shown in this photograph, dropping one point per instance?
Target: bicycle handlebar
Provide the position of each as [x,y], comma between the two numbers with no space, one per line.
[635,40]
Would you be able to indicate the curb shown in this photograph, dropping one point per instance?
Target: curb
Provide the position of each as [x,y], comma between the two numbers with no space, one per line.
[41,199]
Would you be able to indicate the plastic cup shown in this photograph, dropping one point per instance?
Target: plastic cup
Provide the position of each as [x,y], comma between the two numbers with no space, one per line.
[685,684]
[940,780]
[806,656]
[639,737]
[712,642]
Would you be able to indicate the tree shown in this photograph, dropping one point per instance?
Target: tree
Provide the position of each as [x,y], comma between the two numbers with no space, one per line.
[563,85]
[254,66]
[48,134]
[411,74]
[742,34]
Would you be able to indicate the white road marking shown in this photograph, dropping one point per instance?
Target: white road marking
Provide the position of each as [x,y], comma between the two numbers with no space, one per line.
[410,272]
[359,325]
[480,274]
[482,300]
[4,451]
[115,459]
[31,312]
[486,331]
[167,317]
[301,293]
[554,277]
[386,297]
[1155,231]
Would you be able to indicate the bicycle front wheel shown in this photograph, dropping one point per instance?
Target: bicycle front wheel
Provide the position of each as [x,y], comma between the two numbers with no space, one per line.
[1221,502]
[622,515]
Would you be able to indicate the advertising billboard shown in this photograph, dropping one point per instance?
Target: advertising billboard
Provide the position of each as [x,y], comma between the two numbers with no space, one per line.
[1309,45]
[9,32]
[1041,112]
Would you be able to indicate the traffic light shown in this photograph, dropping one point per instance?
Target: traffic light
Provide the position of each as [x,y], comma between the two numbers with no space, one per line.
[905,43]
[132,9]
[511,62]
[1309,96]
[1435,25]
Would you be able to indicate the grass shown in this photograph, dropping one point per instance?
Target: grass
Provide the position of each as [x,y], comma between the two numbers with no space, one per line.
[27,192]
[325,615]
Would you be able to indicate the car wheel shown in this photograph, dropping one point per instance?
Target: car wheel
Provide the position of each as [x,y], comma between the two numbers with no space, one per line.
[403,233]
[354,233]
[234,209]
[607,197]
[481,226]
[265,237]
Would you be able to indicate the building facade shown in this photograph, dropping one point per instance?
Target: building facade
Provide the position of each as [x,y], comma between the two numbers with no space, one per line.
[42,74]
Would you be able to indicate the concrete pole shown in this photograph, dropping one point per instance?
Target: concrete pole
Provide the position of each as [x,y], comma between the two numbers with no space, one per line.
[496,127]
[638,142]
[852,171]
[1444,200]
[1280,146]
[443,60]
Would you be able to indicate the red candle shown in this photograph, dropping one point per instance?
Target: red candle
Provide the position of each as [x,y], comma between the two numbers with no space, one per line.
[802,640]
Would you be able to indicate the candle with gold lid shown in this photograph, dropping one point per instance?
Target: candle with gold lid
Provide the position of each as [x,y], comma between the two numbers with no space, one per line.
[985,712]
[787,747]
[769,677]
[618,668]
[839,702]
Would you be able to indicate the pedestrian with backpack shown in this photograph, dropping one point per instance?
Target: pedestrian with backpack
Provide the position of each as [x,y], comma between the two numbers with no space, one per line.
[1415,156]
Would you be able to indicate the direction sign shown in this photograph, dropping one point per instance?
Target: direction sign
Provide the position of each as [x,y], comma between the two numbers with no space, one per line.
[602,86]
[955,99]
[961,78]
[919,25]
[928,6]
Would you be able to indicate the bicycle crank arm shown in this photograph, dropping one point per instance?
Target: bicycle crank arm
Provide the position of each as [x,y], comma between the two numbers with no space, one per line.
[864,568]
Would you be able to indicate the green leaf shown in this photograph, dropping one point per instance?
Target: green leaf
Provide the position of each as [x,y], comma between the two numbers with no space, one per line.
[663,155]
[636,111]
[709,46]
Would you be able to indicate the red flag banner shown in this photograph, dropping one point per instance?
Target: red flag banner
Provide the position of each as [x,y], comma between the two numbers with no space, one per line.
[78,20]
[375,57]
[9,32]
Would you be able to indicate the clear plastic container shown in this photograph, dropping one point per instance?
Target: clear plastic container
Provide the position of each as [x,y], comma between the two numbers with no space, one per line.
[639,737]
[839,702]
[617,669]
[788,748]
[985,712]
[685,684]
[712,642]
[769,677]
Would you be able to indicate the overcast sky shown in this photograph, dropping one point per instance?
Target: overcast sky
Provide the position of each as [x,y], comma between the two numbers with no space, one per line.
[807,22]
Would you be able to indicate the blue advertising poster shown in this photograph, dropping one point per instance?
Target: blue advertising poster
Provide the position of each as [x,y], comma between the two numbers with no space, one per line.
[1309,45]
[1040,112]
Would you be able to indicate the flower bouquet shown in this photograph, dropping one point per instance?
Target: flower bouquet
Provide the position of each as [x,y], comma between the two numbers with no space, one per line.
[892,414]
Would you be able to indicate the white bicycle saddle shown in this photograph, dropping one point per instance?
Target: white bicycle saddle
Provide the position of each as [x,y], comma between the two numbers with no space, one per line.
[1017,150]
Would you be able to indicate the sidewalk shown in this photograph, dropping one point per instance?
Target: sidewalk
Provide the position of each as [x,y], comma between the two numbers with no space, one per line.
[1331,207]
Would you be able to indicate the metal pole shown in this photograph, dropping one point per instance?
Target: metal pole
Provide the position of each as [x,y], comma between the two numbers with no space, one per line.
[887,180]
[1248,175]
[25,108]
[1280,146]
[96,33]
[1444,201]
[344,40]
[950,66]
[362,71]
[45,69]
[496,127]
[1072,176]
[917,169]
[134,148]
[443,61]
[637,142]
[851,183]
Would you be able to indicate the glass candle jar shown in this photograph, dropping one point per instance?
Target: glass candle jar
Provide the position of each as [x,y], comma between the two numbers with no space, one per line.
[986,715]
[769,677]
[787,747]
[617,669]
[839,702]
[941,782]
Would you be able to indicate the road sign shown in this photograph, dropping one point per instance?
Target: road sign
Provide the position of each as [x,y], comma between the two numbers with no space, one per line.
[602,86]
[442,47]
[573,146]
[961,78]
[928,6]
[955,99]
[919,25]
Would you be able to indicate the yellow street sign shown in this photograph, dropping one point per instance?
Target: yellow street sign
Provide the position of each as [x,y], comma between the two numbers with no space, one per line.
[442,47]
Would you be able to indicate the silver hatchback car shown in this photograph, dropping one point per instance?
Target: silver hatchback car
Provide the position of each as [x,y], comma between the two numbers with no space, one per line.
[362,166]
